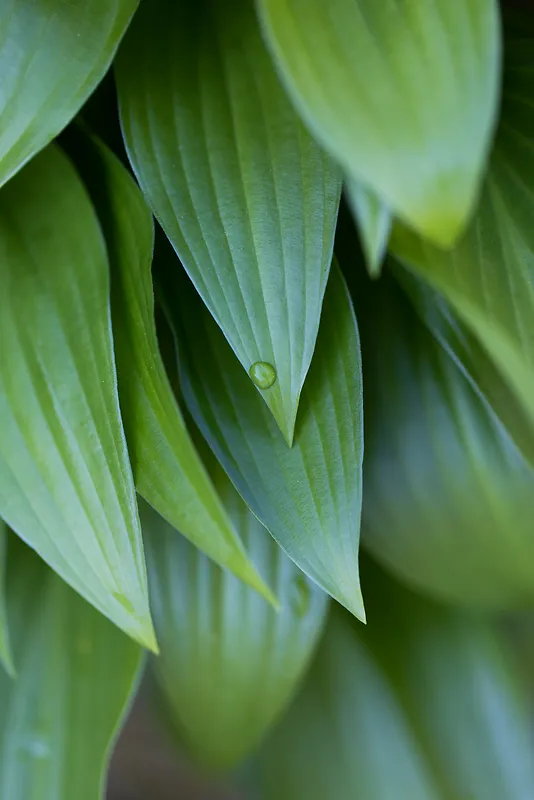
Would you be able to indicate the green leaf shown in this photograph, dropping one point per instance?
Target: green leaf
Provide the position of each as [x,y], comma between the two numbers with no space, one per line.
[488,277]
[404,94]
[167,469]
[77,674]
[246,196]
[448,494]
[346,736]
[52,55]
[6,656]
[229,662]
[373,220]
[421,703]
[66,485]
[308,496]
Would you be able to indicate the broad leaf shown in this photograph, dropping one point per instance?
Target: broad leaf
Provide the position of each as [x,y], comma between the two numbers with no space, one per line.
[403,94]
[229,662]
[449,497]
[489,275]
[66,485]
[246,196]
[6,657]
[373,220]
[76,676]
[421,703]
[307,496]
[167,470]
[52,55]
[346,736]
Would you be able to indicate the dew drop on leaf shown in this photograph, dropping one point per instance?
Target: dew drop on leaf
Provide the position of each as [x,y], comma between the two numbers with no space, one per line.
[300,596]
[262,374]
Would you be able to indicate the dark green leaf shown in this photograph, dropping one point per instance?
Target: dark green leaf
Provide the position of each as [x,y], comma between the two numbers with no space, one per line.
[52,55]
[6,657]
[229,662]
[66,485]
[167,470]
[76,675]
[244,193]
[307,496]
[404,94]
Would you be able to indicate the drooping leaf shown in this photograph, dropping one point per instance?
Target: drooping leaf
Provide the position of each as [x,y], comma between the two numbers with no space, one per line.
[6,656]
[229,662]
[52,55]
[373,219]
[76,676]
[307,496]
[403,94]
[66,485]
[488,277]
[246,196]
[422,702]
[346,735]
[448,496]
[167,469]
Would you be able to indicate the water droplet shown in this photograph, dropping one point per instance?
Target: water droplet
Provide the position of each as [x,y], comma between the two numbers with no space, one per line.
[36,747]
[263,374]
[300,596]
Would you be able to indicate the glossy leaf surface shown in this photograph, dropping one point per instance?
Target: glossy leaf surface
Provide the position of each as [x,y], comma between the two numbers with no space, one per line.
[307,496]
[404,94]
[66,485]
[246,196]
[449,497]
[168,472]
[229,662]
[52,55]
[76,676]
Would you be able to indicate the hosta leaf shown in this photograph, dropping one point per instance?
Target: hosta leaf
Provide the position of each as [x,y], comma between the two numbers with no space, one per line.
[52,55]
[244,193]
[346,735]
[229,662]
[373,220]
[488,277]
[76,675]
[403,94]
[449,497]
[65,480]
[307,496]
[167,470]
[6,657]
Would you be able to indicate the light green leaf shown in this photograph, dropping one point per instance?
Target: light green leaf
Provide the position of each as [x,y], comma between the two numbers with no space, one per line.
[52,55]
[373,220]
[66,485]
[246,196]
[449,497]
[346,736]
[404,94]
[167,469]
[6,656]
[488,277]
[229,662]
[307,496]
[77,674]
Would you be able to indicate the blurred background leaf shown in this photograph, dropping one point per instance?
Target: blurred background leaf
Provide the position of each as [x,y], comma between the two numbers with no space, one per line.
[6,656]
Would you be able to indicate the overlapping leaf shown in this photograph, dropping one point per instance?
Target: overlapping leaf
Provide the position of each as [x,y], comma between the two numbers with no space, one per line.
[309,496]
[6,657]
[373,220]
[66,485]
[244,193]
[76,676]
[449,497]
[422,703]
[488,277]
[229,662]
[52,55]
[167,470]
[403,94]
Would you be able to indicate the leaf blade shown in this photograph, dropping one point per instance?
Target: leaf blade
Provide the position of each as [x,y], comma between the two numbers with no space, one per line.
[6,655]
